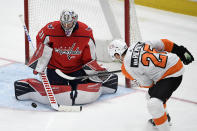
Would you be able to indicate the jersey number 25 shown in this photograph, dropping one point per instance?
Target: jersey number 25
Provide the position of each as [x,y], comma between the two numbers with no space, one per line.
[149,55]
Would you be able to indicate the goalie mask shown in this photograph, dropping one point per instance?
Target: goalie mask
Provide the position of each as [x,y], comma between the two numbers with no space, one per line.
[117,46]
[68,20]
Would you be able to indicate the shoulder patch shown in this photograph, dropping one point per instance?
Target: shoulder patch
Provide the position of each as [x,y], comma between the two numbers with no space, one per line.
[88,29]
[50,26]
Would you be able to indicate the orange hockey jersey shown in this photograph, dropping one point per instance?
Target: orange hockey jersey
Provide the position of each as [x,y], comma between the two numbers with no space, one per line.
[151,61]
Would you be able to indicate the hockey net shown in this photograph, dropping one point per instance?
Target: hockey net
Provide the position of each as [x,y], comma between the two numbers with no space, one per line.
[109,19]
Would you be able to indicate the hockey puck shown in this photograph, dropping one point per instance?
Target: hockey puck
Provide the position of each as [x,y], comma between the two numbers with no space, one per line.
[34,105]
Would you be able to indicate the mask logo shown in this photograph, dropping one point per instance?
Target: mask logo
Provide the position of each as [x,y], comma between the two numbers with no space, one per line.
[67,17]
[70,51]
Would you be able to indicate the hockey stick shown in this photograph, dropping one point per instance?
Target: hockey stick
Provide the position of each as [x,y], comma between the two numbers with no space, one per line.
[47,85]
[60,73]
[26,31]
[52,99]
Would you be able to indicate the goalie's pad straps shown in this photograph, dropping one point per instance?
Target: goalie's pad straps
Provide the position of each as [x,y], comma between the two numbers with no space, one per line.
[41,58]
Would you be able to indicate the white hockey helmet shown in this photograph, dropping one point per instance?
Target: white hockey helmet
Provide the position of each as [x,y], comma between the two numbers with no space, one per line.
[68,20]
[117,46]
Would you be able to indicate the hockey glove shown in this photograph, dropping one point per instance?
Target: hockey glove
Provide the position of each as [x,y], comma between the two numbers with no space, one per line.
[182,52]
[92,67]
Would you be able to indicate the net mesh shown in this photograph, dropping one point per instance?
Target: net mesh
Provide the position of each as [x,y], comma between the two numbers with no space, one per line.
[105,17]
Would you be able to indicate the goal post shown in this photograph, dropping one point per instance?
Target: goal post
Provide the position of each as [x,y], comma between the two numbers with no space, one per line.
[26,19]
[109,19]
[127,31]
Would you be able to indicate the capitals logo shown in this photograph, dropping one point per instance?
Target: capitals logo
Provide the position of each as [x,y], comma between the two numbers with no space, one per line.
[70,51]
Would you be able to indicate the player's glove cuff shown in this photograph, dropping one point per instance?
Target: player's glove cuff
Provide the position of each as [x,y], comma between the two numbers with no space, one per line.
[182,52]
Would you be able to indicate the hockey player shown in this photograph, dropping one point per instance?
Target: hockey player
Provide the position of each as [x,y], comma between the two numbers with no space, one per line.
[156,65]
[68,45]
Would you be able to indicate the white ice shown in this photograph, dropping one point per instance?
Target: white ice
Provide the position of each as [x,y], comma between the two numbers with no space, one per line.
[124,111]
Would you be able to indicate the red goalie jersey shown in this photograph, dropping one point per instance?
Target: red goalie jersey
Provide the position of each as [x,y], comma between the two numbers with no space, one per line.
[69,53]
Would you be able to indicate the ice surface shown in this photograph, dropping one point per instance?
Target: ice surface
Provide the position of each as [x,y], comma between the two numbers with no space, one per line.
[124,111]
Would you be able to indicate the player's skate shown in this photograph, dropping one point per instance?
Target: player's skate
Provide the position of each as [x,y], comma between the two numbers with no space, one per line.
[150,121]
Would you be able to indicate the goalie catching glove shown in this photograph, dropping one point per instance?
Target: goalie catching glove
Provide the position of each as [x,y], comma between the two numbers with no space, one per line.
[92,67]
[182,52]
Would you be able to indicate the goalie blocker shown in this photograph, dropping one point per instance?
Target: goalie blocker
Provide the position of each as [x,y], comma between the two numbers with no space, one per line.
[69,92]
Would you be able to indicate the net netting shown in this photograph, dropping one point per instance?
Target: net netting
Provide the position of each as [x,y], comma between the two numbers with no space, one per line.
[105,17]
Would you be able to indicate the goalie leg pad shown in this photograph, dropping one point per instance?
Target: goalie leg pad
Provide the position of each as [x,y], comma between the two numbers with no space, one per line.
[88,93]
[22,87]
[25,91]
[32,89]
[110,85]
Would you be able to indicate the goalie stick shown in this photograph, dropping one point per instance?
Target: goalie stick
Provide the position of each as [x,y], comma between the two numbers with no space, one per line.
[52,99]
[60,73]
[26,31]
[47,85]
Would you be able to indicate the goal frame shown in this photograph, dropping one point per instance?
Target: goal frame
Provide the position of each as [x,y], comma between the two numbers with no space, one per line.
[126,28]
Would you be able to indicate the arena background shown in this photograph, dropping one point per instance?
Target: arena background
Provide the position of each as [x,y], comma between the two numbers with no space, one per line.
[187,7]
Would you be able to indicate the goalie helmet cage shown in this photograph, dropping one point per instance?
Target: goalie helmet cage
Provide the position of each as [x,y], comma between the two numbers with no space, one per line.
[109,19]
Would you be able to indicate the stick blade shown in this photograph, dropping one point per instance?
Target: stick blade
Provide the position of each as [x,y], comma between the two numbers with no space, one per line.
[60,73]
[63,108]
